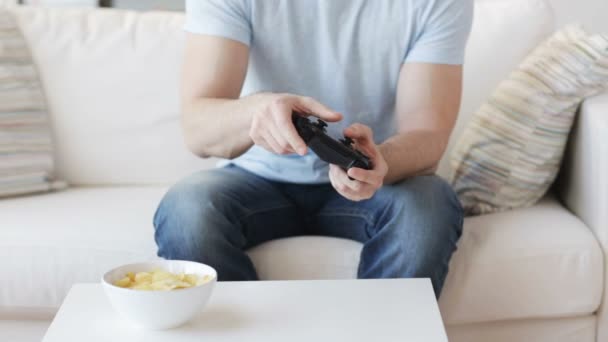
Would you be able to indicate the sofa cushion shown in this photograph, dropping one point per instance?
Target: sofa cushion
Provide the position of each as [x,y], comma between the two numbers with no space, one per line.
[538,262]
[112,79]
[504,32]
[503,268]
[512,149]
[51,241]
[26,149]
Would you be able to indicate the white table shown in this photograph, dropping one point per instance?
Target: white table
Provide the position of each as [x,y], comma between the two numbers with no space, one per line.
[311,311]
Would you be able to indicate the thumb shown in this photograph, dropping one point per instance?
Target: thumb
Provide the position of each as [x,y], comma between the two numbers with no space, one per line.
[319,110]
[364,137]
[360,132]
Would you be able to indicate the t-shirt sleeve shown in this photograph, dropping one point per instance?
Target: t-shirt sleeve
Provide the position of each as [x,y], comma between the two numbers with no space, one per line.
[224,18]
[443,33]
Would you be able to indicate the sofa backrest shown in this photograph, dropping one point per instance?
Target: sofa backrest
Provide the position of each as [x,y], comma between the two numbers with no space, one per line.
[112,79]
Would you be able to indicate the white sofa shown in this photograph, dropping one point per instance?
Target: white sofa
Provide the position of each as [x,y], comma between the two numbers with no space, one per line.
[111,79]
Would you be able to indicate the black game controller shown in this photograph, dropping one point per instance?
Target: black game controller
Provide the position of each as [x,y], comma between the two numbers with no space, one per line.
[332,151]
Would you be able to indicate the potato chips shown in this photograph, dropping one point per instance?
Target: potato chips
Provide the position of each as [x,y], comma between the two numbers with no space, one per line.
[159,280]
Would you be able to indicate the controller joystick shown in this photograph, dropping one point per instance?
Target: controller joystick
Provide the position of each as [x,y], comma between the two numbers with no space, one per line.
[321,124]
[347,141]
[338,152]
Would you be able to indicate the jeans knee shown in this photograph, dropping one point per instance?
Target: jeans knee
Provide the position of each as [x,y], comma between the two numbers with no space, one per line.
[186,221]
[181,204]
[429,200]
[425,225]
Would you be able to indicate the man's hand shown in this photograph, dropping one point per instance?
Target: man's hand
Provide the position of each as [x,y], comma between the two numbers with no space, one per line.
[272,127]
[217,122]
[366,182]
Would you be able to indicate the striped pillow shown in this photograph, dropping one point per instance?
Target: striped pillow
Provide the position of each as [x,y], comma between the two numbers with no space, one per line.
[510,153]
[26,155]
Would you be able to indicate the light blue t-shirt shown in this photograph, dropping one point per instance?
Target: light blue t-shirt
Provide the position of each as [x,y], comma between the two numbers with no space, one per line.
[347,54]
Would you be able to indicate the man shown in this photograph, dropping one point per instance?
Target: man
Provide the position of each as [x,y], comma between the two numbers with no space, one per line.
[385,73]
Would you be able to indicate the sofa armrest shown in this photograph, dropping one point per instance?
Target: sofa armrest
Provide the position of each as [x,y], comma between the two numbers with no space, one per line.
[583,185]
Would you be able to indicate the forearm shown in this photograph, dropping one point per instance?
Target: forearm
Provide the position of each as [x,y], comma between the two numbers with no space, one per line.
[412,153]
[215,127]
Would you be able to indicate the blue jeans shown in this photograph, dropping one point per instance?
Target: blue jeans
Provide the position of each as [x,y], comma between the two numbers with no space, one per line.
[408,230]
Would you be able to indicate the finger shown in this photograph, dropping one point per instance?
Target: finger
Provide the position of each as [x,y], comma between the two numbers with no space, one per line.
[370,177]
[342,189]
[271,142]
[360,132]
[348,193]
[263,144]
[366,192]
[336,171]
[336,179]
[332,171]
[332,180]
[288,132]
[337,185]
[283,144]
[312,106]
[364,138]
[352,186]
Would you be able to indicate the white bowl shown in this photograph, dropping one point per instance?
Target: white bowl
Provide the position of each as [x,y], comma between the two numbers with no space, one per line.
[159,310]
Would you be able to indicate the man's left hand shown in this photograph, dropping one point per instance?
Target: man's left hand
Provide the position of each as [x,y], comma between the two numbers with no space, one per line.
[366,182]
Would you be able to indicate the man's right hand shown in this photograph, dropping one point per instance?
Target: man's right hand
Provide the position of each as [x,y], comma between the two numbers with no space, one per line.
[272,126]
[218,122]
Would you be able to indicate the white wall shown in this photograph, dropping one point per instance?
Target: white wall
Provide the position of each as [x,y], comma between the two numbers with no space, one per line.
[593,14]
[174,5]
